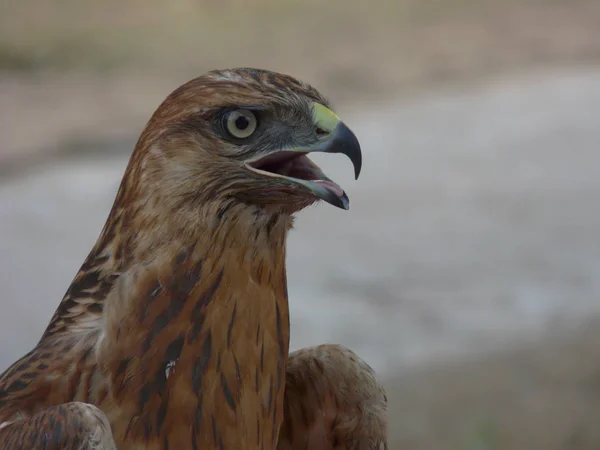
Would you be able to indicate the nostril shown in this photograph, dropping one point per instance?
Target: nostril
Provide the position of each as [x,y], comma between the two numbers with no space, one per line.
[321,131]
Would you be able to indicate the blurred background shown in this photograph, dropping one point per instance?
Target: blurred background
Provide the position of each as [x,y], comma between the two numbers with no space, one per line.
[467,271]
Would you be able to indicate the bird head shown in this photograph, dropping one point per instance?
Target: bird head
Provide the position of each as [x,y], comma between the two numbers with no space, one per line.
[244,136]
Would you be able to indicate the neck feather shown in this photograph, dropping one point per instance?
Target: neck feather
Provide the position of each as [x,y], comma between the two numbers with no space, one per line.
[138,231]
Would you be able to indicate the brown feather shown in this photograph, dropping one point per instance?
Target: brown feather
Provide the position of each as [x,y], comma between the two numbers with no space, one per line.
[332,401]
[73,426]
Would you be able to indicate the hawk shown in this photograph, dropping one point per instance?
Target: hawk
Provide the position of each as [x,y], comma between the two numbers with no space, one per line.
[174,334]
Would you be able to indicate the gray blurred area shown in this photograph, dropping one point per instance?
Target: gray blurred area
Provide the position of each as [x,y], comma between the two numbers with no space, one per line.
[467,270]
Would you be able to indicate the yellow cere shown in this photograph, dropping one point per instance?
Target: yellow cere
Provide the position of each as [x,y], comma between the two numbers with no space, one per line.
[324,118]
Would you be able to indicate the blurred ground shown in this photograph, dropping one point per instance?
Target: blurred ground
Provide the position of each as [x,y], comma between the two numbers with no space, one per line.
[467,270]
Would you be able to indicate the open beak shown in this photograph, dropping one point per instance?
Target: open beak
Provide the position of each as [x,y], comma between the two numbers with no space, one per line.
[293,164]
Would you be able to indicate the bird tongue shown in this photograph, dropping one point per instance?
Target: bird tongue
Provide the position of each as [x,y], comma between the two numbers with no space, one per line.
[304,169]
[333,187]
[299,166]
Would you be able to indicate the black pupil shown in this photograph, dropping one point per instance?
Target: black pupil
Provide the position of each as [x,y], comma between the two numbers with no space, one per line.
[242,123]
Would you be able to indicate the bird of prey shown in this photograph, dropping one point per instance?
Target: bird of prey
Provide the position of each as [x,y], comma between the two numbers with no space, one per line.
[174,334]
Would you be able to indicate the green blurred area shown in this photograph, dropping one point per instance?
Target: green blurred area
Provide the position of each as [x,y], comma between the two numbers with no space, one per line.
[371,46]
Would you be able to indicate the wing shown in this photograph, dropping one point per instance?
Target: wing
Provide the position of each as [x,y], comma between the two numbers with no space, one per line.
[76,426]
[332,401]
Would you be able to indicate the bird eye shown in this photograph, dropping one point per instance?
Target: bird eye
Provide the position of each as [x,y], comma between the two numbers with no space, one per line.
[241,123]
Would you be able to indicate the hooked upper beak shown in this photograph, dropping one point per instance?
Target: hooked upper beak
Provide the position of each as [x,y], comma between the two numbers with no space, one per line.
[291,163]
[338,138]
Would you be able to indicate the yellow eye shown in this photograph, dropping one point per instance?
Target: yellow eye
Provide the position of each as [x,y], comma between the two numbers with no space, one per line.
[241,123]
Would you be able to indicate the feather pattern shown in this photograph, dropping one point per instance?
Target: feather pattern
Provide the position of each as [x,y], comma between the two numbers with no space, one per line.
[175,331]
